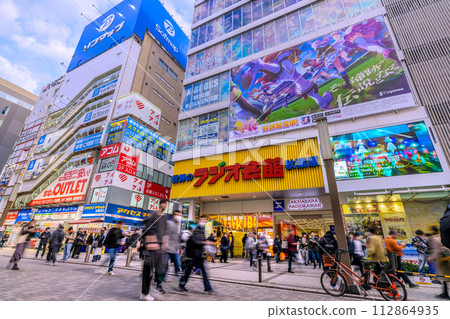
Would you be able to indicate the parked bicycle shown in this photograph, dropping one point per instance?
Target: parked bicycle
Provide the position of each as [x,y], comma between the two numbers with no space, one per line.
[334,282]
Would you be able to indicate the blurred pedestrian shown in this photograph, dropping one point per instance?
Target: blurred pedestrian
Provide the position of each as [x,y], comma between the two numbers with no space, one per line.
[194,253]
[70,238]
[113,241]
[292,249]
[375,249]
[211,249]
[173,232]
[304,247]
[99,240]
[440,258]
[393,247]
[80,239]
[155,235]
[133,242]
[56,241]
[262,248]
[277,248]
[44,238]
[224,246]
[358,253]
[244,251]
[315,253]
[420,243]
[445,228]
[26,233]
[231,240]
[351,245]
[250,247]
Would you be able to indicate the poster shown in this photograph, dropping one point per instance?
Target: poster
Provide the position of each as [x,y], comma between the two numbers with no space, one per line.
[258,40]
[256,10]
[228,22]
[140,107]
[246,14]
[196,95]
[226,55]
[194,38]
[236,52]
[199,62]
[267,7]
[209,58]
[237,19]
[393,218]
[214,95]
[321,15]
[352,7]
[213,128]
[187,98]
[210,30]
[202,130]
[291,88]
[335,10]
[247,44]
[218,30]
[384,152]
[217,55]
[225,86]
[204,94]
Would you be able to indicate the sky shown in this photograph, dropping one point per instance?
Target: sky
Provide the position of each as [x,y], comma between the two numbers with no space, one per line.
[37,36]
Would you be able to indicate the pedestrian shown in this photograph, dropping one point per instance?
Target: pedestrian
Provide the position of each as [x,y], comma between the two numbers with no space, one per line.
[56,241]
[99,240]
[277,248]
[262,248]
[113,241]
[440,258]
[231,240]
[184,237]
[244,251]
[292,249]
[173,232]
[211,249]
[224,246]
[421,244]
[155,235]
[44,238]
[80,239]
[4,240]
[305,247]
[393,247]
[328,243]
[315,253]
[26,233]
[194,253]
[250,247]
[375,249]
[351,245]
[445,228]
[133,242]
[70,238]
[358,253]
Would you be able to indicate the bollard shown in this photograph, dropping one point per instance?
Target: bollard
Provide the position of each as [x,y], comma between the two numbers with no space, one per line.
[259,268]
[129,254]
[88,253]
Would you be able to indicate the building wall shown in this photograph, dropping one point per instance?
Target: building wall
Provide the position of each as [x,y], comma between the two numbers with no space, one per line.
[153,82]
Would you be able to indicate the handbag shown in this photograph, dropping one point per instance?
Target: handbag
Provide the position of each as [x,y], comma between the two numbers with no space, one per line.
[95,244]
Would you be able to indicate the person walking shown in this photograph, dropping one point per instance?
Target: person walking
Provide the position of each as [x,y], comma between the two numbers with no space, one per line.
[292,249]
[375,249]
[305,247]
[224,246]
[113,241]
[211,249]
[99,240]
[351,245]
[262,248]
[56,241]
[277,248]
[133,241]
[358,253]
[70,238]
[26,233]
[440,258]
[173,232]
[231,240]
[250,247]
[393,247]
[155,235]
[44,238]
[4,239]
[421,244]
[194,254]
[80,239]
[444,224]
[315,253]
[244,251]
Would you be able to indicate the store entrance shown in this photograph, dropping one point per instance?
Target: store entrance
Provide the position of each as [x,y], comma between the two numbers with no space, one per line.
[319,222]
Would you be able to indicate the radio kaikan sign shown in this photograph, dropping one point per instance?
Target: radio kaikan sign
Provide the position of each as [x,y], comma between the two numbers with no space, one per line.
[71,186]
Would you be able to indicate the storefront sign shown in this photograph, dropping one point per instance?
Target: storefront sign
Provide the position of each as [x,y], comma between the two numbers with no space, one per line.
[24,215]
[139,136]
[66,212]
[360,208]
[107,164]
[71,186]
[96,114]
[127,214]
[87,142]
[278,205]
[128,159]
[49,140]
[140,107]
[110,150]
[159,191]
[305,204]
[153,204]
[93,211]
[11,217]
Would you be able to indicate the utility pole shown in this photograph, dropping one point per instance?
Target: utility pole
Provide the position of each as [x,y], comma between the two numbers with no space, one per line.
[327,156]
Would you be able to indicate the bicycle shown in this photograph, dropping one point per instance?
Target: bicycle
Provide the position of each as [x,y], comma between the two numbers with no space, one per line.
[335,283]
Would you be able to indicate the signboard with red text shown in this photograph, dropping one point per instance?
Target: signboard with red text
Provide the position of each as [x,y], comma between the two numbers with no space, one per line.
[140,107]
[128,159]
[110,150]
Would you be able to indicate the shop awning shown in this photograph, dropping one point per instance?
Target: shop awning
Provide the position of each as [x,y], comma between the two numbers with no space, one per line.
[86,221]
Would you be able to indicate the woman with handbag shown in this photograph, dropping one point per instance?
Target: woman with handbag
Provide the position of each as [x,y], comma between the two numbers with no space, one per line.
[98,244]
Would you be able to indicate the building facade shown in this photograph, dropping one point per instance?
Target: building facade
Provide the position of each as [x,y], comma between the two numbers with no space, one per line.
[103,134]
[260,73]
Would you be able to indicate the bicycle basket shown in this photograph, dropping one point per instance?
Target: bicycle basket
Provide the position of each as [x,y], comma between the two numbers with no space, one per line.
[328,261]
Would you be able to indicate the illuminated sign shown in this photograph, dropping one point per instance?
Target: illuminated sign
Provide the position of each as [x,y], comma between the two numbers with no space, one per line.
[127,214]
[87,142]
[304,204]
[94,211]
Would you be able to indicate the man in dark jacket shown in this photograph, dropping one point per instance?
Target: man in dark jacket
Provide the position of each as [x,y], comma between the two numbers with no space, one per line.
[244,239]
[315,254]
[224,246]
[329,243]
[231,240]
[194,256]
[277,248]
[292,249]
[56,242]
[445,228]
[44,237]
[113,241]
[155,241]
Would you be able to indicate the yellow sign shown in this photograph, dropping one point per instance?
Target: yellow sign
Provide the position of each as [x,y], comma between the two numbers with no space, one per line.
[291,165]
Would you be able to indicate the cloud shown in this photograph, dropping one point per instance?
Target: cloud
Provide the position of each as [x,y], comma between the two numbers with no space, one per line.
[180,16]
[8,12]
[18,75]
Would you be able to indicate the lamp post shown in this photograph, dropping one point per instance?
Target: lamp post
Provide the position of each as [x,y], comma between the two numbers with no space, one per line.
[339,224]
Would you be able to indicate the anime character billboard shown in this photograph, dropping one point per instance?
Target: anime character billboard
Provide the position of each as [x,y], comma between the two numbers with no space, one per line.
[349,73]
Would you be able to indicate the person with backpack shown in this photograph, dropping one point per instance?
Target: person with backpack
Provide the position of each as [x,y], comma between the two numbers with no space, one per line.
[184,237]
[56,242]
[250,247]
[421,244]
[113,241]
[329,245]
[314,246]
[26,233]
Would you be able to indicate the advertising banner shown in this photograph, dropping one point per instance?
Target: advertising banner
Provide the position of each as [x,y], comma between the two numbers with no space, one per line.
[389,151]
[120,180]
[393,217]
[93,211]
[157,190]
[11,217]
[66,212]
[24,215]
[110,86]
[96,114]
[88,142]
[140,107]
[128,159]
[110,150]
[153,204]
[349,73]
[129,215]
[71,186]
[48,140]
[138,136]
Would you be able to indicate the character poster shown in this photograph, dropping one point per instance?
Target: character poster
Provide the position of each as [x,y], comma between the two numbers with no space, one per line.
[349,73]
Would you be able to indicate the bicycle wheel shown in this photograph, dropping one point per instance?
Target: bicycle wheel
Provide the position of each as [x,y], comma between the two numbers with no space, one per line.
[395,292]
[333,283]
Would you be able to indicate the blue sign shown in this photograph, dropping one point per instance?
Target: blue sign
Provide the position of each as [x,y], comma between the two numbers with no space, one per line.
[88,116]
[121,22]
[139,136]
[53,210]
[24,216]
[41,139]
[278,205]
[88,142]
[94,211]
[129,215]
[31,165]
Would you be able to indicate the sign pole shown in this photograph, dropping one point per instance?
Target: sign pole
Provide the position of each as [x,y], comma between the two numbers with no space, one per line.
[327,157]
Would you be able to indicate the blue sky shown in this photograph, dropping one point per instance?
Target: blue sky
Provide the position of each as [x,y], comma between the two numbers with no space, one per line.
[37,35]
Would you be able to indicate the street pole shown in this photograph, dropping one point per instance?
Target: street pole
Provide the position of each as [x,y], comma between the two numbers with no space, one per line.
[259,268]
[339,224]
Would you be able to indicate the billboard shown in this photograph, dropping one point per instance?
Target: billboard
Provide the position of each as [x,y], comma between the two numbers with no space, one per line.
[71,186]
[87,142]
[140,107]
[348,73]
[389,151]
[121,22]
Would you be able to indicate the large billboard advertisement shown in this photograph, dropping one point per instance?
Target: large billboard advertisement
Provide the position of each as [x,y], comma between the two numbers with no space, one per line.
[140,107]
[389,151]
[348,73]
[126,18]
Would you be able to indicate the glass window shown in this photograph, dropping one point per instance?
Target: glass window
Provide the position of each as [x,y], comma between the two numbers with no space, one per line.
[236,52]
[293,24]
[307,20]
[199,62]
[209,52]
[195,95]
[163,64]
[169,182]
[223,126]
[217,57]
[228,3]
[335,10]
[197,13]
[281,30]
[225,86]
[139,170]
[352,7]
[247,44]
[258,40]
[205,9]
[212,7]
[210,30]
[202,35]
[155,176]
[269,35]
[237,19]
[228,22]
[247,14]
[214,95]
[173,74]
[290,2]
[256,10]
[187,98]
[226,55]
[220,4]
[144,172]
[213,128]
[161,178]
[321,14]
[278,5]
[205,90]
[267,7]
[194,38]
[218,29]
[99,195]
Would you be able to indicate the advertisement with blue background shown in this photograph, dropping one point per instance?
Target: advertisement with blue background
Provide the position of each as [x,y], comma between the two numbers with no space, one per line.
[88,142]
[139,137]
[128,17]
[94,211]
[130,216]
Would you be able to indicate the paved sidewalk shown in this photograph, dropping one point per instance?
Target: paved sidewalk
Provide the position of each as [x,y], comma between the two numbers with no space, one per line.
[237,272]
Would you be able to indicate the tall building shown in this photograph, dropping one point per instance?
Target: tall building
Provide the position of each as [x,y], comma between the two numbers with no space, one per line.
[16,105]
[259,75]
[101,138]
